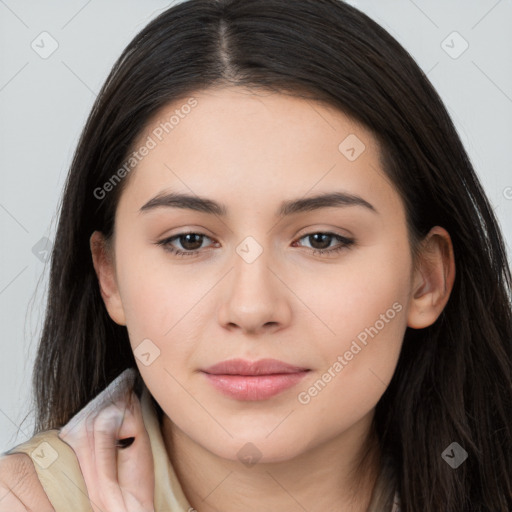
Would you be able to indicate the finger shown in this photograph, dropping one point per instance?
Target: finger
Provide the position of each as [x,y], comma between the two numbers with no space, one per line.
[83,439]
[126,475]
[120,480]
[20,488]
[9,502]
[107,426]
[136,474]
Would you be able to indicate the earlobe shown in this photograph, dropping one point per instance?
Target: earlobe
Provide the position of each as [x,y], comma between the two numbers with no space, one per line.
[433,279]
[104,267]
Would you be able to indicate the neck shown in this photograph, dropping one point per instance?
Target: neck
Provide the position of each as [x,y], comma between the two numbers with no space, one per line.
[338,474]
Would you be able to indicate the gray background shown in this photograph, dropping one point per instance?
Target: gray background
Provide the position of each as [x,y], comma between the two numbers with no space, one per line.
[44,103]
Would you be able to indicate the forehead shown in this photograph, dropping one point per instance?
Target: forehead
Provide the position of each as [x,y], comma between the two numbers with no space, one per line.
[249,147]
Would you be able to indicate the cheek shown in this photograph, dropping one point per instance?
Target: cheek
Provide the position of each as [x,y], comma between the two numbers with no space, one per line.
[156,293]
[348,297]
[358,362]
[158,299]
[362,307]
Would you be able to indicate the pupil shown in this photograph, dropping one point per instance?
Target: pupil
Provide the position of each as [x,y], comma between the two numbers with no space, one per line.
[185,239]
[316,236]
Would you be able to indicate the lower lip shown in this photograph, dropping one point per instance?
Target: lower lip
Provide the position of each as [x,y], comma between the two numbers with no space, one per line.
[254,387]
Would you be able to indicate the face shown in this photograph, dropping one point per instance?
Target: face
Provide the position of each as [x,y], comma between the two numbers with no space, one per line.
[251,267]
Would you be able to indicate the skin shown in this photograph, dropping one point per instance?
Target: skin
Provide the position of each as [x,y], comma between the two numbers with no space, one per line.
[250,151]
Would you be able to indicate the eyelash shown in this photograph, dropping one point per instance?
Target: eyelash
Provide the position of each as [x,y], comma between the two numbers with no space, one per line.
[345,243]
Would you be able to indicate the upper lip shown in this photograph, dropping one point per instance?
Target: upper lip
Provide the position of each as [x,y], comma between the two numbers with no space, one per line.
[260,367]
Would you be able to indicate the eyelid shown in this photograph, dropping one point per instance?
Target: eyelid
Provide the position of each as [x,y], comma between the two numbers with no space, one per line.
[172,238]
[312,229]
[184,230]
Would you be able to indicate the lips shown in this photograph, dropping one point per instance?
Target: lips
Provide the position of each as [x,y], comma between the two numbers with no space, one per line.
[260,367]
[257,380]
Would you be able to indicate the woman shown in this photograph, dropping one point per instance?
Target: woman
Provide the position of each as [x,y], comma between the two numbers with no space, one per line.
[273,237]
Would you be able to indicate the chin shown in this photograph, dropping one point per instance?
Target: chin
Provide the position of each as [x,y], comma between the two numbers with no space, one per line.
[250,449]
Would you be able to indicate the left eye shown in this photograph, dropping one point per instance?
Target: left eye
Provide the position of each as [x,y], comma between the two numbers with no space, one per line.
[192,242]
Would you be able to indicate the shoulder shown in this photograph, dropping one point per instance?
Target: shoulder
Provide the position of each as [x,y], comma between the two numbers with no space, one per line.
[20,488]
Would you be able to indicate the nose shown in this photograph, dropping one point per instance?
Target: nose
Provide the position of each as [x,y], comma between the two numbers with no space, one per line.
[254,300]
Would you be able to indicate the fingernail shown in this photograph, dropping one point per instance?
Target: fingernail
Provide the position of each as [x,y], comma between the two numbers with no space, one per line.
[124,443]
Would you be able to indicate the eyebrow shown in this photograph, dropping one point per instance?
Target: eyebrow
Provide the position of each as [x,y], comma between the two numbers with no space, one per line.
[290,207]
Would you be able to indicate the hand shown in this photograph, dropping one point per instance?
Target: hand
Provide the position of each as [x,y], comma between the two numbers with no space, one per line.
[118,473]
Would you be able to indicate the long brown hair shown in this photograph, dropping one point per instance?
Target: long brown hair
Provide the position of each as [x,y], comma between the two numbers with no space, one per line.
[453,379]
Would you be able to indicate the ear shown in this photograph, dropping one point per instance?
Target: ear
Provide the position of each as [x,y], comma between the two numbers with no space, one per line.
[433,279]
[104,266]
